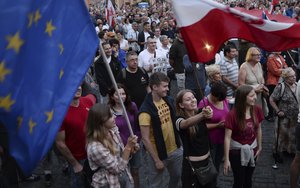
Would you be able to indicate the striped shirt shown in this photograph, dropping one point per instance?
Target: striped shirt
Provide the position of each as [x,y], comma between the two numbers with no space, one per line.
[230,69]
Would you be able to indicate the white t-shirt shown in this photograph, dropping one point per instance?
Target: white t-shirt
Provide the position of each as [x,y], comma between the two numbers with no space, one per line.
[159,62]
[123,44]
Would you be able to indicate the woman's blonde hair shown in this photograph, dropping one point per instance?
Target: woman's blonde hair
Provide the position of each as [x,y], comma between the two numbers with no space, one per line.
[250,53]
[285,72]
[95,129]
[211,70]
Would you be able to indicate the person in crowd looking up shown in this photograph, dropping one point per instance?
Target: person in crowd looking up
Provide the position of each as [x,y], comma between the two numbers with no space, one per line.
[159,135]
[70,139]
[251,74]
[106,153]
[102,76]
[285,104]
[177,52]
[135,79]
[143,35]
[217,101]
[194,135]
[243,137]
[275,65]
[132,112]
[230,69]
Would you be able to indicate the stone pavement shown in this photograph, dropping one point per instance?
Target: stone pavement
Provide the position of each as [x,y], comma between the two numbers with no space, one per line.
[264,175]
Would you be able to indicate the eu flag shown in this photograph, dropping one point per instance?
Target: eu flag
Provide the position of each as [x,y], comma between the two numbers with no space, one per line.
[46,48]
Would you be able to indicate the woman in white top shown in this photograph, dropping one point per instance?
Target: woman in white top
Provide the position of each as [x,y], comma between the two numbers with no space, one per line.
[123,42]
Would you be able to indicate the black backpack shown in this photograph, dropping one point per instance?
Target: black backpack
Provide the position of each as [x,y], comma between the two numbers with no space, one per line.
[88,174]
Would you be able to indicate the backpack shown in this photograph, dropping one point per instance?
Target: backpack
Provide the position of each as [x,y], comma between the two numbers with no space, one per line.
[88,174]
[124,72]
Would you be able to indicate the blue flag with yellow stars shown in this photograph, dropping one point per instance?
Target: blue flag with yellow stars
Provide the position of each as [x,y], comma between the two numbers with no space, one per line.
[46,47]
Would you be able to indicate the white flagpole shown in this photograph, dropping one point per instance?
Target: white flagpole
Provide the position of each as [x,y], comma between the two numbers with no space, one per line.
[116,88]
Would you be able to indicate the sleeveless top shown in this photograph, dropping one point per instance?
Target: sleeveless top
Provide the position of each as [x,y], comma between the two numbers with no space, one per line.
[254,78]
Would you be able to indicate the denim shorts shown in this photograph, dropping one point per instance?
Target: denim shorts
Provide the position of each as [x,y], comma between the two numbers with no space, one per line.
[297,135]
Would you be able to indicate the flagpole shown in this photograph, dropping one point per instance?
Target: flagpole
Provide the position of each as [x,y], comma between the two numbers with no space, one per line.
[116,88]
[294,63]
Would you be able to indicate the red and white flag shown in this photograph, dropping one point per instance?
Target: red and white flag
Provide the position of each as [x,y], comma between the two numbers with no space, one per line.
[205,25]
[110,12]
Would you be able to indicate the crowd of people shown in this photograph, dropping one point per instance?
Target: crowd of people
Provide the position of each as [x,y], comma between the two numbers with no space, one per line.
[216,115]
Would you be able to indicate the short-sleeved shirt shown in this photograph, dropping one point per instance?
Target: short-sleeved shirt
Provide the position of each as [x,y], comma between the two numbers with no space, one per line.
[231,71]
[196,145]
[136,83]
[249,134]
[166,125]
[74,124]
[216,135]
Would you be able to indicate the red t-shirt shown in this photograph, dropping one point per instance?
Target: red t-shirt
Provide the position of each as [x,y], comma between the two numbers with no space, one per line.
[74,124]
[248,135]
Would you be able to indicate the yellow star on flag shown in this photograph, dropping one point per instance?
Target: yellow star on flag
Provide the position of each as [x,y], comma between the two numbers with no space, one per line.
[37,16]
[3,71]
[20,121]
[49,28]
[61,73]
[6,102]
[32,124]
[49,116]
[14,42]
[61,48]
[30,20]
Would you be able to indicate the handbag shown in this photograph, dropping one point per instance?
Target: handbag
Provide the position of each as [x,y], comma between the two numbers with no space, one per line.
[205,174]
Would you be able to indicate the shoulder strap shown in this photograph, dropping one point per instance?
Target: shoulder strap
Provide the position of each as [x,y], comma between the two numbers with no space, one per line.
[124,74]
[282,89]
[142,69]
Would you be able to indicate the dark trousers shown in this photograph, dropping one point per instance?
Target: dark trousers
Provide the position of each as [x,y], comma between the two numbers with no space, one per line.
[271,89]
[242,174]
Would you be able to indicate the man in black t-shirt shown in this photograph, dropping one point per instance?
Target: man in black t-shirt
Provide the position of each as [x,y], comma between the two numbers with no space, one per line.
[135,79]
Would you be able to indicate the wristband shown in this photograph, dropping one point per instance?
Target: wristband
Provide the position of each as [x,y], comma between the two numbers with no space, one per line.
[278,111]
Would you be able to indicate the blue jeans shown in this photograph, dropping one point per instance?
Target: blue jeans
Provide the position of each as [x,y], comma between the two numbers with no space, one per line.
[172,164]
[76,178]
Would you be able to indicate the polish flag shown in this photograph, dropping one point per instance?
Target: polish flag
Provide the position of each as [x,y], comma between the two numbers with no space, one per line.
[110,12]
[205,25]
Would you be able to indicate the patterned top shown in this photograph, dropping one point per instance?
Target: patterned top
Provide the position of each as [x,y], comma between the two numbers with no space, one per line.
[287,102]
[113,165]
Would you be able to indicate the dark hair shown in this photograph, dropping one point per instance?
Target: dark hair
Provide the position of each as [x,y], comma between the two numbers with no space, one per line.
[218,90]
[121,32]
[156,79]
[228,48]
[105,43]
[145,23]
[130,53]
[240,106]
[127,102]
[114,41]
[101,34]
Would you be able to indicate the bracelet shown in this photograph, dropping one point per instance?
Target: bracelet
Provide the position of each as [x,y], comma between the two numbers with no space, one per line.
[278,111]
